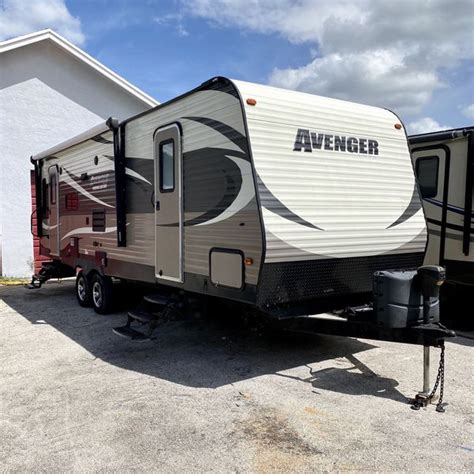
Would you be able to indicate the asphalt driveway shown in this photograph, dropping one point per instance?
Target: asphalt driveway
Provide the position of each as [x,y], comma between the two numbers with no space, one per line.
[205,396]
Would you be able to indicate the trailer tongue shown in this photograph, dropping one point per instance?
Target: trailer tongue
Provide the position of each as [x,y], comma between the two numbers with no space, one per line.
[405,309]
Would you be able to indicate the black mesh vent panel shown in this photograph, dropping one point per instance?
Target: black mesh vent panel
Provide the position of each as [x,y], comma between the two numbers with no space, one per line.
[98,220]
[297,282]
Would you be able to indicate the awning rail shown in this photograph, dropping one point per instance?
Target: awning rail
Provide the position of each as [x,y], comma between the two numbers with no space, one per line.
[82,137]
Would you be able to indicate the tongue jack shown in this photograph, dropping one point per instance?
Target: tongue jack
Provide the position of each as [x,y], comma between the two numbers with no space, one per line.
[431,278]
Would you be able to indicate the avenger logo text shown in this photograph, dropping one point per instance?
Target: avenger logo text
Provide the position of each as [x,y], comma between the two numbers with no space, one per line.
[307,141]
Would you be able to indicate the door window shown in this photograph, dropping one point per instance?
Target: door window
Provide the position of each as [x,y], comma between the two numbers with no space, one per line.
[167,166]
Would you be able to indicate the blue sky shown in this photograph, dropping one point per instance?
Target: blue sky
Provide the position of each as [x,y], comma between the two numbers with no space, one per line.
[140,42]
[413,56]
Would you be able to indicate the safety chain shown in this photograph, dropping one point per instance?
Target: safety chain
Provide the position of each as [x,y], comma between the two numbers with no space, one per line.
[423,401]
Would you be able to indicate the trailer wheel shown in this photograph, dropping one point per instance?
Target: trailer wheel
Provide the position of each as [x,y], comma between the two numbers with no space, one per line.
[83,291]
[102,294]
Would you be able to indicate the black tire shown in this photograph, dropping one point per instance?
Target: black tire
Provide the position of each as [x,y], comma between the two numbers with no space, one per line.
[102,294]
[83,291]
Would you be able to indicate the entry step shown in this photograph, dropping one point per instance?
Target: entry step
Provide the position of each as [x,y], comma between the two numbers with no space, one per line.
[158,300]
[129,333]
[326,317]
[142,316]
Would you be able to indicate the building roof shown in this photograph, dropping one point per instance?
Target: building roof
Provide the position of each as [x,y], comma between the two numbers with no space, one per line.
[50,35]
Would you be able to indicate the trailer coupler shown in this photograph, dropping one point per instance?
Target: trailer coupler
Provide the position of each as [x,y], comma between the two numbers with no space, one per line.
[48,271]
[38,279]
[432,334]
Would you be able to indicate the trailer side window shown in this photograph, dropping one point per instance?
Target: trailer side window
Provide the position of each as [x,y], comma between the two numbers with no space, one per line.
[167,166]
[427,175]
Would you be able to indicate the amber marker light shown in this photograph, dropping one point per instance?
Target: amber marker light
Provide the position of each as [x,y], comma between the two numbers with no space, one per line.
[398,126]
[251,102]
[248,261]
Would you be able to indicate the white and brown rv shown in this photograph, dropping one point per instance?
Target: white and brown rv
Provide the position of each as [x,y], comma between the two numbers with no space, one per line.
[282,200]
[444,165]
[288,203]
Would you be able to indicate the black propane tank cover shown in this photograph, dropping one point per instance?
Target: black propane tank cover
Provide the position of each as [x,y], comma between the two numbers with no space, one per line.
[398,300]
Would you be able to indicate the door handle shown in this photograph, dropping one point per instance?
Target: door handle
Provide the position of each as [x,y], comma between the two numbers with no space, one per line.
[157,205]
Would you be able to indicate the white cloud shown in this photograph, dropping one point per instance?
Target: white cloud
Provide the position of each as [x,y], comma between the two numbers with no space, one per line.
[297,20]
[426,125]
[19,17]
[376,77]
[173,18]
[468,111]
[379,52]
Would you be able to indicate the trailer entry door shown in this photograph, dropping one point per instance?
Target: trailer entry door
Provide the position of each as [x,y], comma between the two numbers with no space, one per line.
[53,221]
[168,204]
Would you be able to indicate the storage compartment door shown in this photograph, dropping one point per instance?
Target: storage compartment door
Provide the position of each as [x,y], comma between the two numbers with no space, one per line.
[227,268]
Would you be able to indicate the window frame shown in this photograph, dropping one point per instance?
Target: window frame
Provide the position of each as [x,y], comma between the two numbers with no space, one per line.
[160,158]
[417,171]
[53,178]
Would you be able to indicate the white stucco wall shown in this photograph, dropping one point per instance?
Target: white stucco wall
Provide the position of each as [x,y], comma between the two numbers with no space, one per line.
[46,96]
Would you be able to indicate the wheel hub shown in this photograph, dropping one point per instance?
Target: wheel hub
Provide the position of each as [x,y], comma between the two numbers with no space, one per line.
[81,289]
[97,294]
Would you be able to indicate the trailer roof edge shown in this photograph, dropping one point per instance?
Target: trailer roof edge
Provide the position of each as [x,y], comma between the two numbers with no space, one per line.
[175,99]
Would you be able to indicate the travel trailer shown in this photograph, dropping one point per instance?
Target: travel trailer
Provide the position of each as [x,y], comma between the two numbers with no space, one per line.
[444,166]
[270,197]
[284,202]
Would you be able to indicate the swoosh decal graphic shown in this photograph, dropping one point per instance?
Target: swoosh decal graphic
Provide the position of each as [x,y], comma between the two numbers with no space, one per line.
[229,174]
[71,180]
[134,174]
[88,230]
[47,227]
[131,172]
[413,207]
[244,196]
[232,190]
[230,133]
[273,204]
